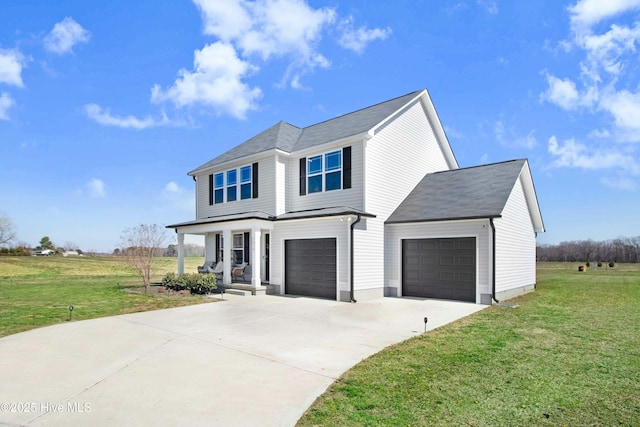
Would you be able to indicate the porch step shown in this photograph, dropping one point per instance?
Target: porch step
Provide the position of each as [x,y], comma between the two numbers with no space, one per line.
[240,292]
[244,290]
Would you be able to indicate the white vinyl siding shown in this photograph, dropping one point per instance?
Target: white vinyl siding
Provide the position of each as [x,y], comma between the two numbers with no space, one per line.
[209,247]
[351,197]
[480,229]
[280,184]
[515,243]
[266,191]
[397,158]
[310,229]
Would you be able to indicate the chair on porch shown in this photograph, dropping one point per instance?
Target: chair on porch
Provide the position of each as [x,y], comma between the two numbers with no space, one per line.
[239,271]
[217,270]
[205,268]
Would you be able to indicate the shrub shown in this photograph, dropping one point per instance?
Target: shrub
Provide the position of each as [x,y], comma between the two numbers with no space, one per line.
[611,264]
[199,284]
[588,264]
[599,264]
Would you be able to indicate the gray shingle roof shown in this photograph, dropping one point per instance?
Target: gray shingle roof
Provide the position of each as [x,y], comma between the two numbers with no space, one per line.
[289,138]
[282,136]
[475,192]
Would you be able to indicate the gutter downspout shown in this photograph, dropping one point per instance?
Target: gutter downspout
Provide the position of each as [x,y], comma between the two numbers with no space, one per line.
[493,261]
[353,225]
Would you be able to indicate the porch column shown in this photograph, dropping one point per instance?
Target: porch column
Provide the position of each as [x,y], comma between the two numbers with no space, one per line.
[180,254]
[226,257]
[256,259]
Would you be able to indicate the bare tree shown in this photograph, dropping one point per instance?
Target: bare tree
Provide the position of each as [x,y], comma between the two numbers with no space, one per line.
[7,232]
[140,245]
[69,246]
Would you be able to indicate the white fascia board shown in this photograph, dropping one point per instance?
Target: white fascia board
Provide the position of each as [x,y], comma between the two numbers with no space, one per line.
[241,224]
[365,136]
[246,159]
[393,115]
[443,141]
[532,198]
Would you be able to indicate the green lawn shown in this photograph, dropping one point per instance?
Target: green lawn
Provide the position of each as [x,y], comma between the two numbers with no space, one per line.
[569,355]
[37,291]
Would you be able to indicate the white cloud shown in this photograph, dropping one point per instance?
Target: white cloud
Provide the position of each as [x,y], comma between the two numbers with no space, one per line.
[358,39]
[562,92]
[624,106]
[64,35]
[249,34]
[266,29]
[490,5]
[6,102]
[11,64]
[508,137]
[215,81]
[226,19]
[607,71]
[620,182]
[586,13]
[576,155]
[96,188]
[178,197]
[104,117]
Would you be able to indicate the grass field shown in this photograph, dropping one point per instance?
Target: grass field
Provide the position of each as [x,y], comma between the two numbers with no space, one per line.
[37,291]
[568,355]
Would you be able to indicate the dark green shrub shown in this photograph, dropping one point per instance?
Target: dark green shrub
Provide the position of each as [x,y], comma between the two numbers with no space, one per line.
[611,264]
[199,284]
[588,264]
[599,264]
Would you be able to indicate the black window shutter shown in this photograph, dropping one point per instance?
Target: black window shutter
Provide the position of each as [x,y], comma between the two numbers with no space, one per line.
[254,176]
[303,176]
[217,257]
[246,247]
[210,189]
[346,167]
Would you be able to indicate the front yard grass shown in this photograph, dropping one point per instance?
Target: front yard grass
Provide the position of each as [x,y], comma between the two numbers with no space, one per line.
[569,355]
[37,291]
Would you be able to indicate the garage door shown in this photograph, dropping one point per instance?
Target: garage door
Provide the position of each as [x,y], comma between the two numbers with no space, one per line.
[310,267]
[439,268]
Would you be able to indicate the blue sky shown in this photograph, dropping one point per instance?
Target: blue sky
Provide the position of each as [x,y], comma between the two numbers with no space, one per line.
[105,106]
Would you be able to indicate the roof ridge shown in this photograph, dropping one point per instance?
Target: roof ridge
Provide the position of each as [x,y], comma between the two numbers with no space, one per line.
[363,108]
[482,166]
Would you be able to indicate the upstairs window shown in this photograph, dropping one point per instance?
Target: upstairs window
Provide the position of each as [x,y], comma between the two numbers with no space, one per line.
[245,182]
[223,186]
[232,188]
[333,171]
[219,188]
[324,172]
[314,174]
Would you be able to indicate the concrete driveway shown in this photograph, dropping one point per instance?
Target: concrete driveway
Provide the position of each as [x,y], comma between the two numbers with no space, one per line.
[245,361]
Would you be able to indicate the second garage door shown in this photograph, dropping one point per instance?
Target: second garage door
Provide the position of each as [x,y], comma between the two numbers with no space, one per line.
[310,267]
[439,268]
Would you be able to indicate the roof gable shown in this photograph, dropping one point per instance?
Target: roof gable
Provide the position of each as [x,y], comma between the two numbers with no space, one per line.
[475,192]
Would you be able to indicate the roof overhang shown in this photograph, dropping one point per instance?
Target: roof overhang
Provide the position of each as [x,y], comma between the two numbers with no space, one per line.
[532,198]
[263,219]
[450,219]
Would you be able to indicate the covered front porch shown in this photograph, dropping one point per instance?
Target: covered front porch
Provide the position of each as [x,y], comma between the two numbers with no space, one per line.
[239,244]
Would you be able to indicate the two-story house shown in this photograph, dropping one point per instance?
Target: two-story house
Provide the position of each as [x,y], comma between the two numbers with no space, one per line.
[365,205]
